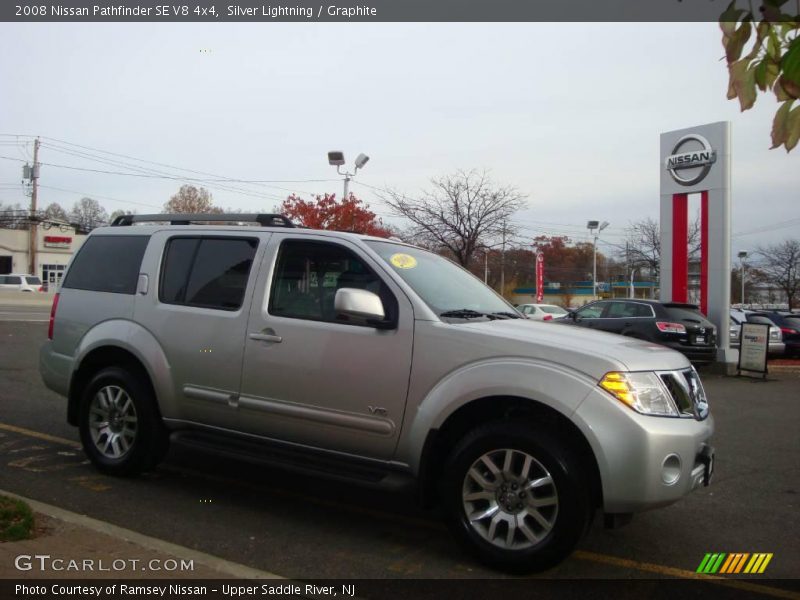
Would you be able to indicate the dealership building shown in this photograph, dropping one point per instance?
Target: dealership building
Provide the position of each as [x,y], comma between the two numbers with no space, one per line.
[54,246]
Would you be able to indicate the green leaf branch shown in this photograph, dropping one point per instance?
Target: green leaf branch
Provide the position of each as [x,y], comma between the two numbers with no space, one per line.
[762,49]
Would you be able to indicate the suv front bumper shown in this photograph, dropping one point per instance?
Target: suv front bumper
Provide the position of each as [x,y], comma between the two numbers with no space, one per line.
[645,461]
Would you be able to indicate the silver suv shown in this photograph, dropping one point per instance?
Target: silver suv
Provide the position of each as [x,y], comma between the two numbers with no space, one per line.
[372,360]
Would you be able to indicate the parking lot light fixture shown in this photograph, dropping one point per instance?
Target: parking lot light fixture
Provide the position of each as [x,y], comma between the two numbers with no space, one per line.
[595,227]
[336,159]
[742,256]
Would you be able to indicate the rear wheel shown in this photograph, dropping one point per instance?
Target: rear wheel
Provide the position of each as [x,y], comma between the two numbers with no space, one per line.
[120,427]
[516,497]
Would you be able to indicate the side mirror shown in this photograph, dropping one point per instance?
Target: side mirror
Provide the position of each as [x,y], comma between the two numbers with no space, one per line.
[361,307]
[572,315]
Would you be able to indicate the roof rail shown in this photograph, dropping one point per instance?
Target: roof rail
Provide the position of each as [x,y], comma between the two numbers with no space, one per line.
[263,219]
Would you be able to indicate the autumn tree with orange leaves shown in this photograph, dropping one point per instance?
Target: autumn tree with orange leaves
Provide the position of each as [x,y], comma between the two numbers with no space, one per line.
[325,212]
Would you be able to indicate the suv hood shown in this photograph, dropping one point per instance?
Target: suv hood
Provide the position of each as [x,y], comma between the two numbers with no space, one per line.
[592,352]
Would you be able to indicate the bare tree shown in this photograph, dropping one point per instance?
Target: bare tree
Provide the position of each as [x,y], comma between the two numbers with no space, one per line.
[643,245]
[190,199]
[55,212]
[781,265]
[120,212]
[87,214]
[14,216]
[463,212]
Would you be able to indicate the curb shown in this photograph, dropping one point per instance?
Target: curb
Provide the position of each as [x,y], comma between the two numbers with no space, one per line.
[207,560]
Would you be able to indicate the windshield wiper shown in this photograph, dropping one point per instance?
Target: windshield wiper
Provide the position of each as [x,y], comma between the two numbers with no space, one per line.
[510,315]
[468,313]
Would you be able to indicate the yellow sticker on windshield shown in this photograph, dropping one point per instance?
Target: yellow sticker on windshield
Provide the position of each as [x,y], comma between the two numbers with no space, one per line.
[403,261]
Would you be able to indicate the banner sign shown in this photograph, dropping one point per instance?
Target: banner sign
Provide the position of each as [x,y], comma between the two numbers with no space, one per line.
[539,277]
[754,340]
[57,241]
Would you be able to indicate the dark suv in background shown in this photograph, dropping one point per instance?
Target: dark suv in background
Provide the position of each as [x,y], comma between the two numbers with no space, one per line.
[789,324]
[679,326]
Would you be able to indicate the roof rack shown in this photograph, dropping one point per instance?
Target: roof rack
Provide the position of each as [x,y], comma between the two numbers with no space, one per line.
[263,219]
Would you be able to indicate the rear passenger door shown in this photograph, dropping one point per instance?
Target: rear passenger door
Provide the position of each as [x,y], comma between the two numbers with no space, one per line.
[312,377]
[621,317]
[197,298]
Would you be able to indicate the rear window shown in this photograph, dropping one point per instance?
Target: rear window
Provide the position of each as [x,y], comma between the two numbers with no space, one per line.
[107,263]
[684,314]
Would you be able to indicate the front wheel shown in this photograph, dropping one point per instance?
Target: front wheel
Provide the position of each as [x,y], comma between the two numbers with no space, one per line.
[120,426]
[516,497]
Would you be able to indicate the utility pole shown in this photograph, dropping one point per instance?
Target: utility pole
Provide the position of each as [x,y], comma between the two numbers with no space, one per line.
[503,262]
[33,228]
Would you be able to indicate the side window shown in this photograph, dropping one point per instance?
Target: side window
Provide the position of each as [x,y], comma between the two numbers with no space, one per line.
[206,272]
[628,309]
[591,311]
[308,275]
[761,320]
[107,263]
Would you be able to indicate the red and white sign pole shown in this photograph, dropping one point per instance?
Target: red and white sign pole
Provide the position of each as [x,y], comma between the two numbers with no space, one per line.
[539,277]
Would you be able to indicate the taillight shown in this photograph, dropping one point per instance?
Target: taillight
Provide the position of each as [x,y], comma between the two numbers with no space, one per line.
[52,317]
[547,318]
[788,331]
[666,327]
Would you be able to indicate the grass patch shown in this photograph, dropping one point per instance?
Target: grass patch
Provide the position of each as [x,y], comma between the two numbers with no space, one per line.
[16,520]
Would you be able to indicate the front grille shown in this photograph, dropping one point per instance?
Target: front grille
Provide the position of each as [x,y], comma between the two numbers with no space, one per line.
[687,392]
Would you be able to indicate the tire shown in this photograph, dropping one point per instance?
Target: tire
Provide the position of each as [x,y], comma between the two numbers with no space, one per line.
[120,425]
[549,503]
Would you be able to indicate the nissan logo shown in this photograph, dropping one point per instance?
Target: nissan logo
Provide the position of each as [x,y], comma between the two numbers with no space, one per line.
[698,161]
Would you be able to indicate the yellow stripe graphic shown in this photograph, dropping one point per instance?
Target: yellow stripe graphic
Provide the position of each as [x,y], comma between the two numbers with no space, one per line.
[755,563]
[765,563]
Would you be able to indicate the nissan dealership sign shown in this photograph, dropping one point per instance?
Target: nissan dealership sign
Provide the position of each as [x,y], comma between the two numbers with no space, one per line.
[691,159]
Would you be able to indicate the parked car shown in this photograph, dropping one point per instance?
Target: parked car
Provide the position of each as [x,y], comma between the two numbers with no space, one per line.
[542,312]
[21,282]
[679,326]
[775,346]
[788,323]
[294,347]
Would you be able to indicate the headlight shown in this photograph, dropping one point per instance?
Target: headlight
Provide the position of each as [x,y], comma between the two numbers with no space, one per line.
[643,392]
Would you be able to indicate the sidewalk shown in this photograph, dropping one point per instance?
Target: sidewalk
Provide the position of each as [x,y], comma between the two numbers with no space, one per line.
[72,546]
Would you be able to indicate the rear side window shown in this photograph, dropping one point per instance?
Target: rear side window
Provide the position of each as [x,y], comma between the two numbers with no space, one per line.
[207,272]
[33,281]
[629,309]
[107,263]
[684,314]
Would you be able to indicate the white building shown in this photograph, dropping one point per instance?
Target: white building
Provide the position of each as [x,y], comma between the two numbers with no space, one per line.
[55,245]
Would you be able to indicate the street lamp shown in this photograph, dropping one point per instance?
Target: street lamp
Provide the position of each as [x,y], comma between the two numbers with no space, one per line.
[742,256]
[592,226]
[336,159]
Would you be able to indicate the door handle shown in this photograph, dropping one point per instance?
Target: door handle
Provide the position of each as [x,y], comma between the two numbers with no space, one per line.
[266,337]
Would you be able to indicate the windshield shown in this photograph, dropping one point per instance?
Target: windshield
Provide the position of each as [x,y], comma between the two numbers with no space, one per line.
[553,310]
[443,285]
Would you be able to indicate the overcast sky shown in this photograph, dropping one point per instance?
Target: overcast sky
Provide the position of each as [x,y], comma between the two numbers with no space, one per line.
[570,114]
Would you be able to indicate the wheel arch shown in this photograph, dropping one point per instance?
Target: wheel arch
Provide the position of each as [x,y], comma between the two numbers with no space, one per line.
[96,360]
[440,442]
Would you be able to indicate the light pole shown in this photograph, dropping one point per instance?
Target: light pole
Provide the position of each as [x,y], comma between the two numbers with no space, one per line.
[592,226]
[633,272]
[742,256]
[336,159]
